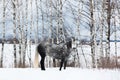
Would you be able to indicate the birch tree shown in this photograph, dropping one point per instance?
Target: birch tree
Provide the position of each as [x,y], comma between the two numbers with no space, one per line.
[3,33]
[26,32]
[51,30]
[92,32]
[37,20]
[61,35]
[14,31]
[21,30]
[42,19]
[101,33]
[31,25]
[114,11]
[108,2]
[118,12]
[115,36]
[18,26]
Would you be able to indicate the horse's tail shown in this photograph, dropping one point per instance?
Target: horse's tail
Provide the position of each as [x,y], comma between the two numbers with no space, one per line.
[36,59]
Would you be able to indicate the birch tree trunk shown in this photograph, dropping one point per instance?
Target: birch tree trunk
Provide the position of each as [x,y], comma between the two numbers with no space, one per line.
[101,43]
[108,33]
[20,34]
[42,16]
[61,35]
[115,36]
[57,20]
[37,20]
[3,34]
[51,30]
[78,37]
[14,32]
[51,61]
[26,32]
[101,35]
[78,23]
[31,25]
[92,32]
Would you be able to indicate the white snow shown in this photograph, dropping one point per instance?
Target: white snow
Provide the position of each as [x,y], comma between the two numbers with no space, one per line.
[55,74]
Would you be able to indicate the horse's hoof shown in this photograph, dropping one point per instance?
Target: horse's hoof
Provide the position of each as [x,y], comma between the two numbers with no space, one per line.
[64,68]
[43,69]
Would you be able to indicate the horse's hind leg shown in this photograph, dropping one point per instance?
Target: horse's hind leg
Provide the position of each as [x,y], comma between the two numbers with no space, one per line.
[54,63]
[61,64]
[65,64]
[42,63]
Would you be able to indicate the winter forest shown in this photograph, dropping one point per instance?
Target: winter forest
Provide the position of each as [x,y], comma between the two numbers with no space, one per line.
[92,24]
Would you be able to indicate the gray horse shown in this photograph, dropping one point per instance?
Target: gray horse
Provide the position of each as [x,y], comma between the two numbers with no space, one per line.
[57,51]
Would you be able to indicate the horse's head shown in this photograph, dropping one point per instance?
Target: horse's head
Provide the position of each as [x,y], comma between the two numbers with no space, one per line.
[69,43]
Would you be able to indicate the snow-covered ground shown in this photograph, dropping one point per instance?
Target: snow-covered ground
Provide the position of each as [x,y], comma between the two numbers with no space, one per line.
[55,74]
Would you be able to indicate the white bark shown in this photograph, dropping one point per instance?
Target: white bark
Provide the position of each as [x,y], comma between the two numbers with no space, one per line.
[92,32]
[30,42]
[22,38]
[20,32]
[3,34]
[26,32]
[37,20]
[42,16]
[101,41]
[108,32]
[115,36]
[61,35]
[51,31]
[14,32]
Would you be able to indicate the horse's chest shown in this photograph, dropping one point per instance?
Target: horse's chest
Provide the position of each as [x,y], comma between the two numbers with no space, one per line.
[41,48]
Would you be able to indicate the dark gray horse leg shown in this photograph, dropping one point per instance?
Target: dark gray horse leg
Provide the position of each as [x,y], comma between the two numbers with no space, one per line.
[65,64]
[42,63]
[61,64]
[54,63]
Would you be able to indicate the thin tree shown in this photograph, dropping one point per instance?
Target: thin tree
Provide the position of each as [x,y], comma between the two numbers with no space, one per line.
[3,41]
[101,34]
[37,20]
[14,32]
[108,5]
[42,16]
[26,32]
[61,35]
[118,12]
[51,28]
[20,32]
[115,37]
[31,25]
[92,32]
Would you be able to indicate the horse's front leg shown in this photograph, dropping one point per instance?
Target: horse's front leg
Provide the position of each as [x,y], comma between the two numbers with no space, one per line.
[65,64]
[42,63]
[61,64]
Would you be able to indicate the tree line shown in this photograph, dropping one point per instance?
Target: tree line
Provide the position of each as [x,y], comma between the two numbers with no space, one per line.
[39,19]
